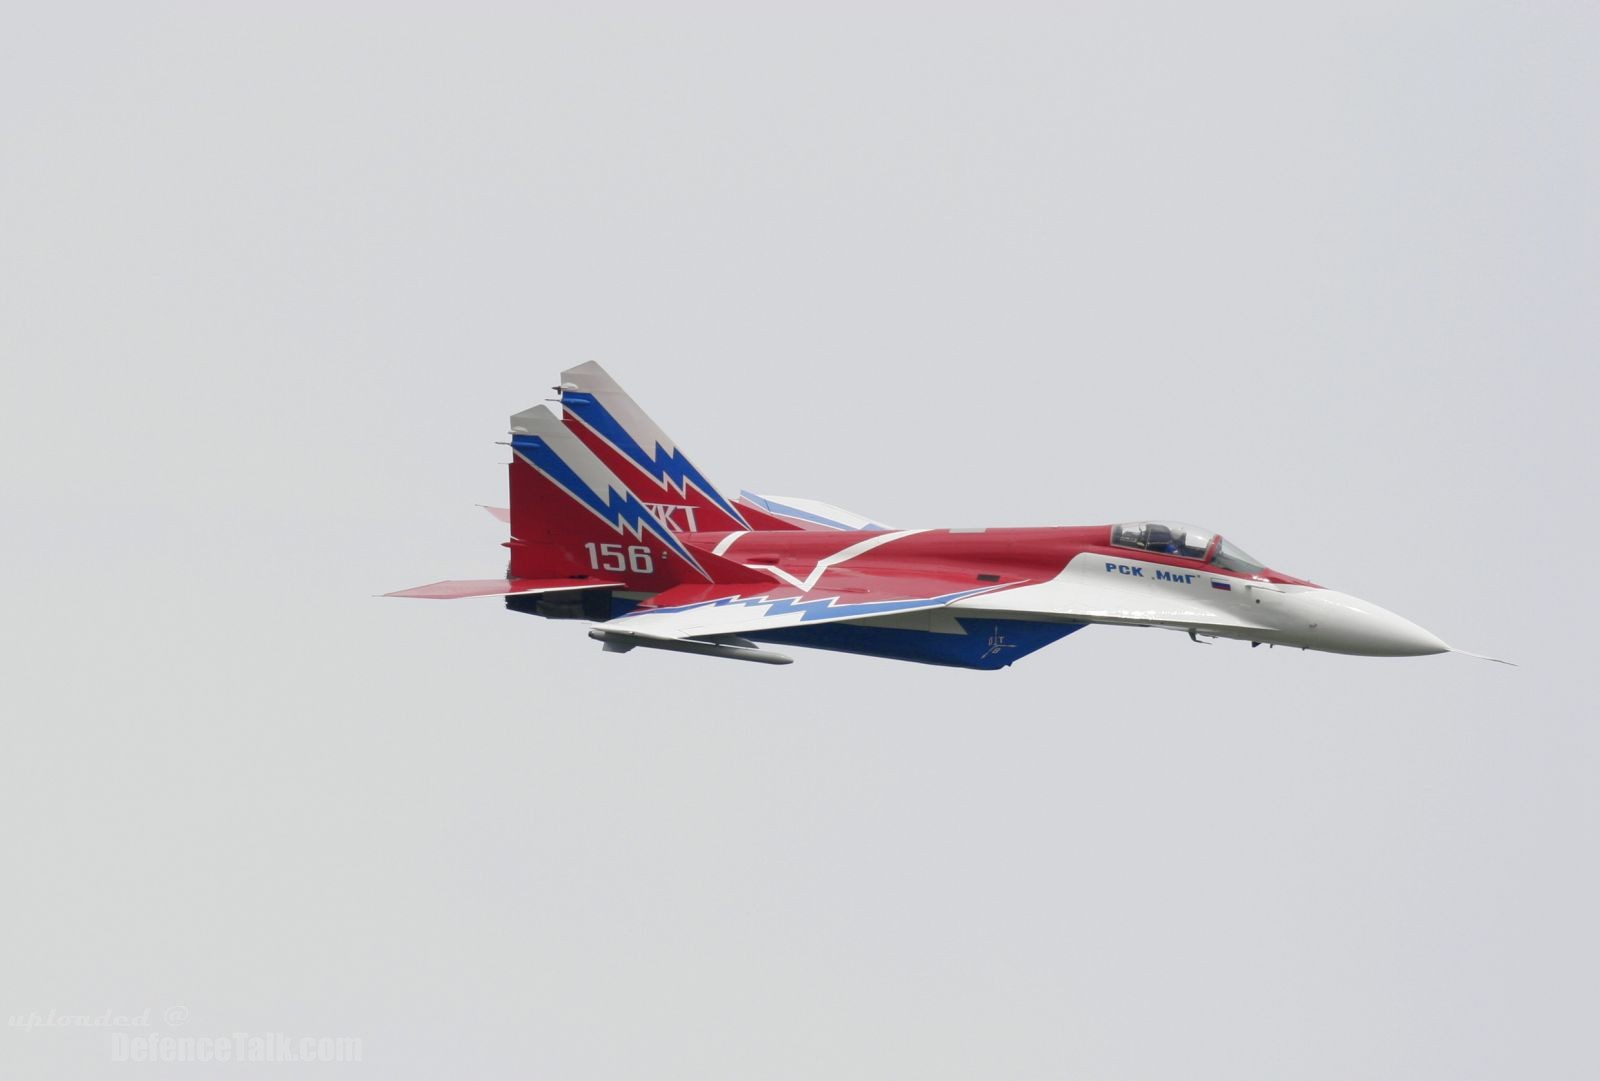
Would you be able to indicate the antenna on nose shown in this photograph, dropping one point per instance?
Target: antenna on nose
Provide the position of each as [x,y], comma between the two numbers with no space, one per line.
[1484,657]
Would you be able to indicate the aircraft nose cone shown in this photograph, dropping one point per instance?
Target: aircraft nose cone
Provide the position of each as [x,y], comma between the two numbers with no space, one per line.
[1341,623]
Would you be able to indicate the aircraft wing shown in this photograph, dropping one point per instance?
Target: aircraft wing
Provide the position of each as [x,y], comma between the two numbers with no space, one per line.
[839,595]
[811,513]
[499,587]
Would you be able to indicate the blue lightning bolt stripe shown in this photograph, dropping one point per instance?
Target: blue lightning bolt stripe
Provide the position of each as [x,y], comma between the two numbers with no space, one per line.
[618,510]
[817,607]
[664,466]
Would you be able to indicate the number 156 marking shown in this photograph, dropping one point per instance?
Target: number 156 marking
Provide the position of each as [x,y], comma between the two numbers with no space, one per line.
[612,557]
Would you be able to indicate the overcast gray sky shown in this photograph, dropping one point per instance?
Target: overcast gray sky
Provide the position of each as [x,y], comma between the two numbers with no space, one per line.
[1322,278]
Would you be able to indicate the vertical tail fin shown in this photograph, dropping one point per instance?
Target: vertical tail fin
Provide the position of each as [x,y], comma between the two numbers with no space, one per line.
[572,515]
[611,424]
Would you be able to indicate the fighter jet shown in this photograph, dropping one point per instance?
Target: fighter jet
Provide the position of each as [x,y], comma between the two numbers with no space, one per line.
[612,524]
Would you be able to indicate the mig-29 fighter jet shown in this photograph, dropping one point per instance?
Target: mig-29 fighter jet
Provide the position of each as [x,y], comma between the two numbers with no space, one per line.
[612,524]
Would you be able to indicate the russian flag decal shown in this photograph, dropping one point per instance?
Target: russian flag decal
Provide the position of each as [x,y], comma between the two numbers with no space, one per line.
[1220,585]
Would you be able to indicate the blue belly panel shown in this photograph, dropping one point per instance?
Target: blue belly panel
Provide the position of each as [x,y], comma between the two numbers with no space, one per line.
[988,643]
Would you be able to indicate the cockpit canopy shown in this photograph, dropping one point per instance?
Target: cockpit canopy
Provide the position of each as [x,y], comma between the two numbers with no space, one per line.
[1175,538]
[1169,537]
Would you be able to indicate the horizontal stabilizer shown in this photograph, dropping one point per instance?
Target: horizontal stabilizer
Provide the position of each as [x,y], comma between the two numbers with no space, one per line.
[499,587]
